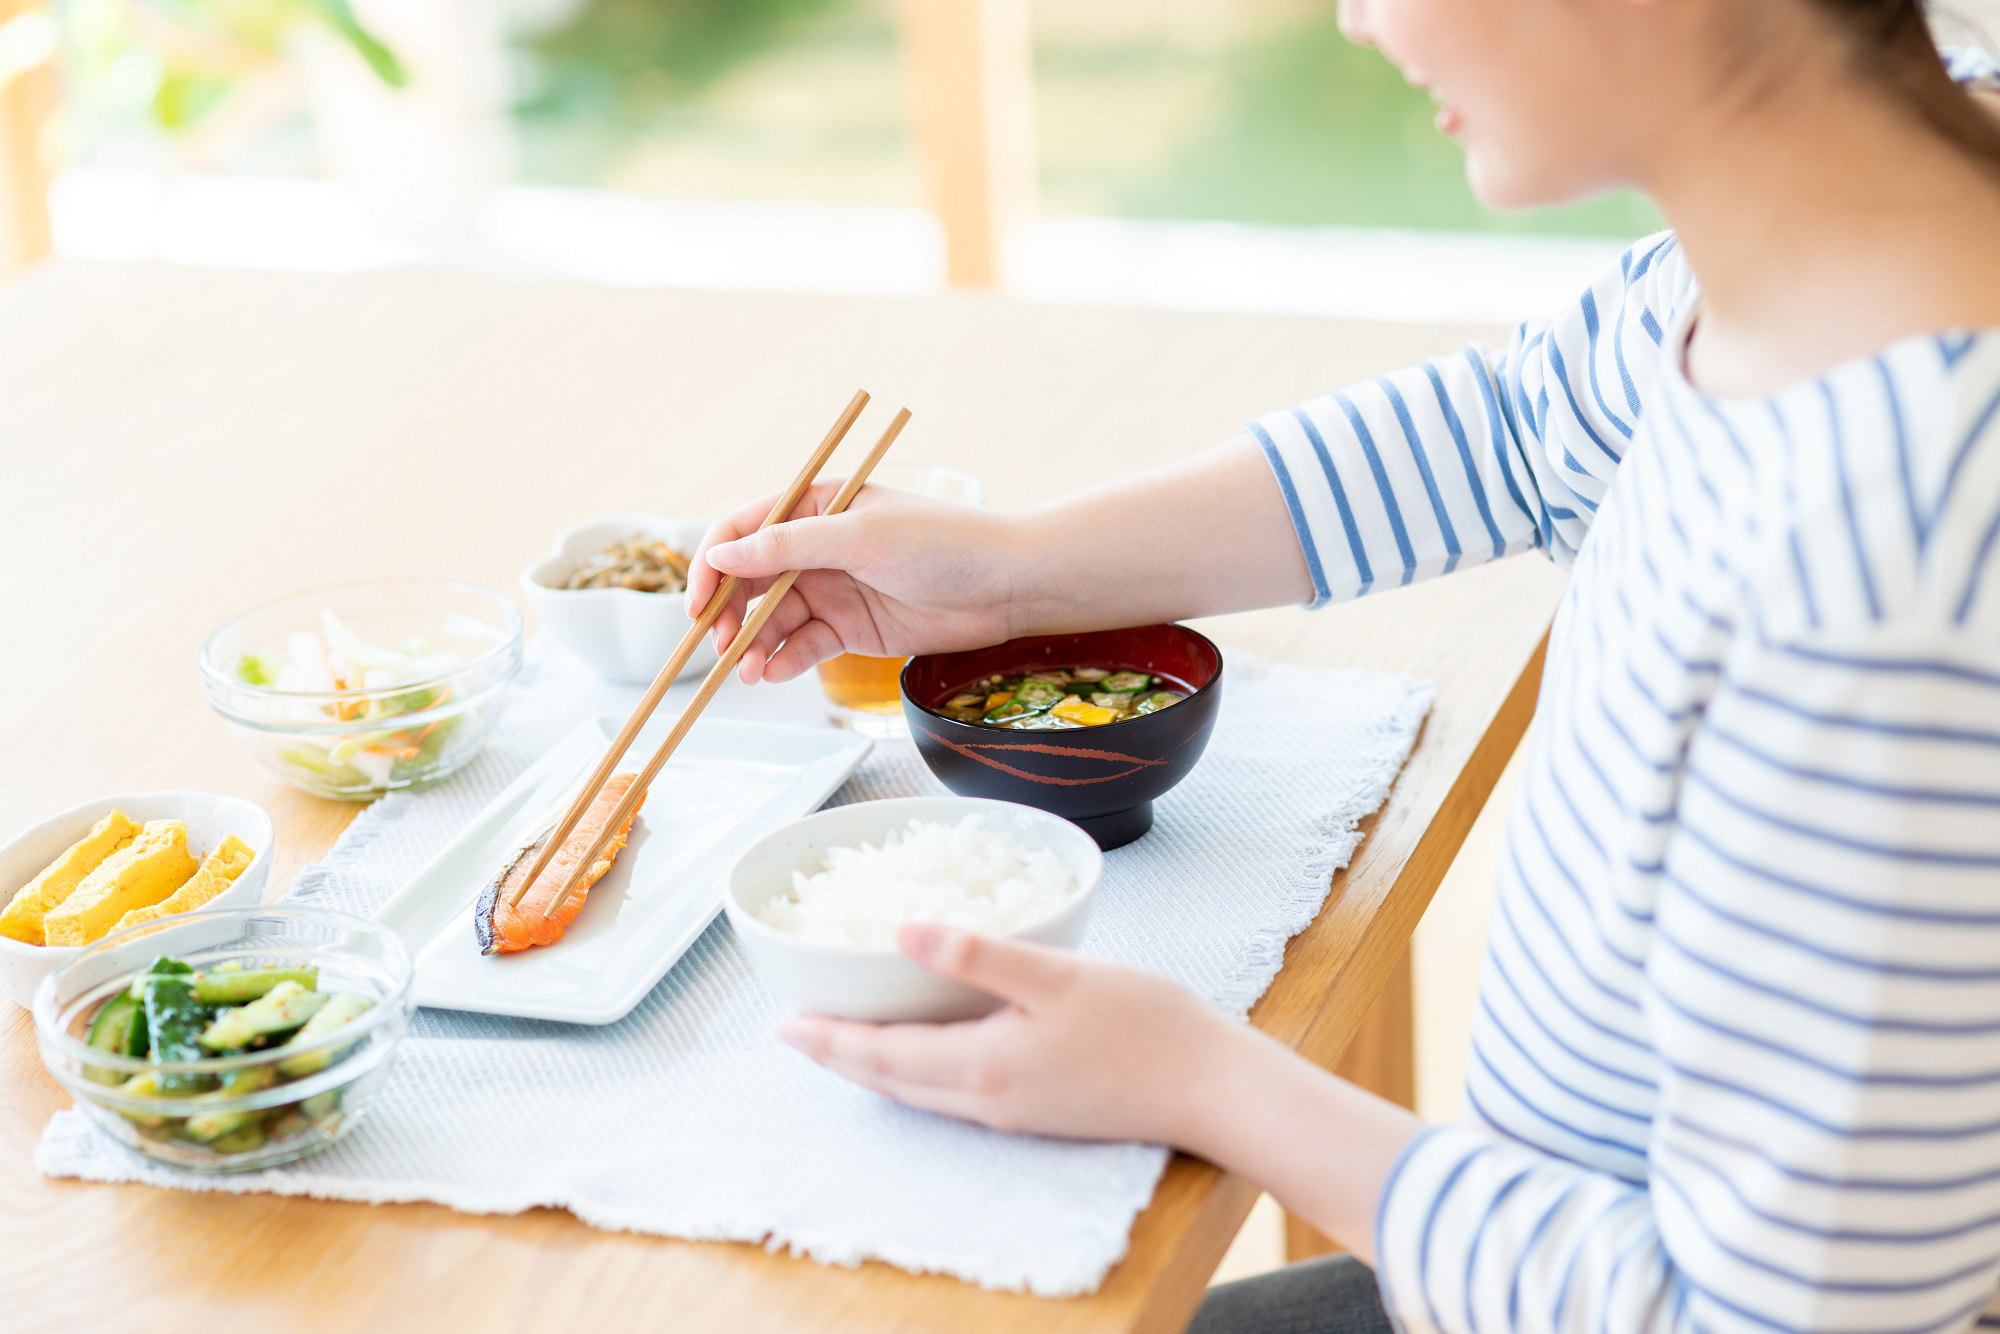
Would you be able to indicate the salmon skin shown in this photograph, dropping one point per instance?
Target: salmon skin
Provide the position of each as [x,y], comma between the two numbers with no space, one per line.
[504,928]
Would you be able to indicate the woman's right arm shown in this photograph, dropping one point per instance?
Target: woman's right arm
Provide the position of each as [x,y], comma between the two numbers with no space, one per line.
[898,574]
[1458,460]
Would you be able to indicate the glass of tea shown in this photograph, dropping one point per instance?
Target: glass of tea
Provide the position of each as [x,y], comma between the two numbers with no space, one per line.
[865,693]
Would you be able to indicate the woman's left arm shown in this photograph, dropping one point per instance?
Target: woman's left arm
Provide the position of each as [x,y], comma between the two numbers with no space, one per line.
[1096,1050]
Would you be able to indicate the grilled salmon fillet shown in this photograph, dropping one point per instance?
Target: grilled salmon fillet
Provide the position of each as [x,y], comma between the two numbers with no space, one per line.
[504,928]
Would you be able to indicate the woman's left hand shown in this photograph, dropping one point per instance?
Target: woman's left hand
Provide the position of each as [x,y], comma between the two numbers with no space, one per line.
[1083,1048]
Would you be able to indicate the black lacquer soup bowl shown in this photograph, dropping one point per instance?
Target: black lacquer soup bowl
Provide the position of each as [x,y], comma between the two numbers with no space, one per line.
[1103,778]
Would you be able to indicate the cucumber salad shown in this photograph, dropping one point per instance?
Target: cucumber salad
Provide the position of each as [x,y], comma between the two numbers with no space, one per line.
[173,1013]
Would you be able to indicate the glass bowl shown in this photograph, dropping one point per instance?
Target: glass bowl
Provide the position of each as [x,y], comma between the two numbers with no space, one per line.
[300,1096]
[452,649]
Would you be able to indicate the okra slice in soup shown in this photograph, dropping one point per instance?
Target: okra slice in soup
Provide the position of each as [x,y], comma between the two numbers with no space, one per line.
[1041,722]
[1013,706]
[1123,681]
[1039,695]
[1156,701]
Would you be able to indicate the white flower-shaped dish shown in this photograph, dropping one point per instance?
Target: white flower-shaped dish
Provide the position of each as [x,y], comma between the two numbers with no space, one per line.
[208,817]
[620,633]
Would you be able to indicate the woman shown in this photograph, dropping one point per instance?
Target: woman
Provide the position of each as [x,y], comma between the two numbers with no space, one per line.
[1737,1056]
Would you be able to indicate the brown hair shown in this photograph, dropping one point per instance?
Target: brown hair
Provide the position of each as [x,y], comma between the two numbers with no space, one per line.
[1893,45]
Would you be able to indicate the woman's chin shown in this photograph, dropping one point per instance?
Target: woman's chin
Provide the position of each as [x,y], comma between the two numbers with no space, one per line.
[1498,185]
[1507,187]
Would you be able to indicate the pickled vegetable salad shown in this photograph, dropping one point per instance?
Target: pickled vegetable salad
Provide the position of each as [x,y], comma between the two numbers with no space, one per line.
[173,1013]
[332,659]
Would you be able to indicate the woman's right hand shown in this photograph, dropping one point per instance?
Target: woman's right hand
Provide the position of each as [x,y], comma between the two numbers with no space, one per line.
[897,574]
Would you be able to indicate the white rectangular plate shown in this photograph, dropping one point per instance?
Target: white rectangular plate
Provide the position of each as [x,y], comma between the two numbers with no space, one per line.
[728,785]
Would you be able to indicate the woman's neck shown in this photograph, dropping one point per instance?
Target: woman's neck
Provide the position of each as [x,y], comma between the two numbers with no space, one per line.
[1823,222]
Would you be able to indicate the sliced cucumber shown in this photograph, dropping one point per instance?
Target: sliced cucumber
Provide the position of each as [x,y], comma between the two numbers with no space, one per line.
[340,1009]
[119,1028]
[279,1010]
[174,1023]
[242,985]
[214,1126]
[160,967]
[244,1138]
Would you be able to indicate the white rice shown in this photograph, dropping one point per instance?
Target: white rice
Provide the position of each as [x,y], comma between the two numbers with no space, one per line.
[963,875]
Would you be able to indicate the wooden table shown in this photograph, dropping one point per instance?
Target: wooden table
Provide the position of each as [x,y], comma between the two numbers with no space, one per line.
[177,445]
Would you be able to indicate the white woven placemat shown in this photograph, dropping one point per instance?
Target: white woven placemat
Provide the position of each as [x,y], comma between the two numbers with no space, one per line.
[689,1119]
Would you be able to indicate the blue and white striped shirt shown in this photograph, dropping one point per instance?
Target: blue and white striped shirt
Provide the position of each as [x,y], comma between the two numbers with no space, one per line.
[1736,1063]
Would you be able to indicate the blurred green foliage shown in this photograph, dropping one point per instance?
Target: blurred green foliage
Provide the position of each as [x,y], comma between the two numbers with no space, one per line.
[1318,130]
[182,59]
[627,60]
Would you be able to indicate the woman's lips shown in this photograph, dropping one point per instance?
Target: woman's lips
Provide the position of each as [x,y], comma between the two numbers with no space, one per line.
[1448,119]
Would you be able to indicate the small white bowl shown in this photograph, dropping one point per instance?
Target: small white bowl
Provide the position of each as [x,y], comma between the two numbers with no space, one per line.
[884,985]
[620,633]
[208,817]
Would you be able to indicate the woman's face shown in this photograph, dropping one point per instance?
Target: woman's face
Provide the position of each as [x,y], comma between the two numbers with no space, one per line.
[1547,97]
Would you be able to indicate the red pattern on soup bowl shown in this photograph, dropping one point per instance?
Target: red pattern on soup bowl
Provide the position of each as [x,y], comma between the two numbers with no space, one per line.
[1102,778]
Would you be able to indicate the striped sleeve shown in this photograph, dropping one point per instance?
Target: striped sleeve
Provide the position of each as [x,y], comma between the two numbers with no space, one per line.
[1473,456]
[1823,997]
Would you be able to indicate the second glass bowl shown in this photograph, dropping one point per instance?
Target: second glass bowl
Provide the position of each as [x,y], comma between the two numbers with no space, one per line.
[244,1110]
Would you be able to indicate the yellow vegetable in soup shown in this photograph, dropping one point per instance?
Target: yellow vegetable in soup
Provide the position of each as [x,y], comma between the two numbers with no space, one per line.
[23,918]
[138,875]
[218,872]
[1089,715]
[1060,698]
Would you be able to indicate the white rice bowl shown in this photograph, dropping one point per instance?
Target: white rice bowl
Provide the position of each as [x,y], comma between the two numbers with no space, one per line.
[965,875]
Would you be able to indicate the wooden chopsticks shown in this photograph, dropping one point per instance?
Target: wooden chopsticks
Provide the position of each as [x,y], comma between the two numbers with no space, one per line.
[766,605]
[655,692]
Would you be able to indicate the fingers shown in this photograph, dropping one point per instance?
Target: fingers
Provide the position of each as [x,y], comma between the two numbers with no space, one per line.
[822,543]
[803,649]
[958,1103]
[730,619]
[925,1065]
[1029,975]
[934,1054]
[788,616]
[702,577]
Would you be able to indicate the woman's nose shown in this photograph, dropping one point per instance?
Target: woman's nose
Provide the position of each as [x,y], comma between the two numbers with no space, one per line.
[1357,21]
